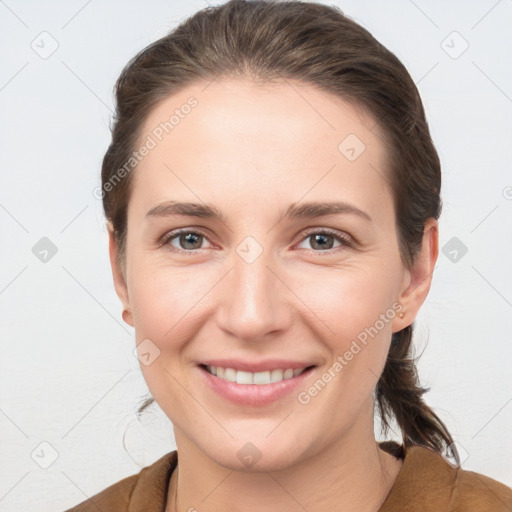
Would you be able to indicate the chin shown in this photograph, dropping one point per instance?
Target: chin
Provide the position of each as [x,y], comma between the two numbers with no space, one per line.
[254,457]
[274,462]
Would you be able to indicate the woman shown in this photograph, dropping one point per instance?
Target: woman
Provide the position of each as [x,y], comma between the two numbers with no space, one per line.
[272,195]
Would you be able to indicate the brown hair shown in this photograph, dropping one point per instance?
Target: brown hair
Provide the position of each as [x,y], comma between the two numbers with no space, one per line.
[320,46]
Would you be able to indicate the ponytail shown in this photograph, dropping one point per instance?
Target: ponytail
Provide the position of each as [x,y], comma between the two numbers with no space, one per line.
[398,393]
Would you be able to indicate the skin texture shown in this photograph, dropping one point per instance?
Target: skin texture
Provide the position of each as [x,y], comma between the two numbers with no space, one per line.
[251,151]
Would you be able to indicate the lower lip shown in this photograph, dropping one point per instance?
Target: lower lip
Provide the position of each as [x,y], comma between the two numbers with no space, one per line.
[253,394]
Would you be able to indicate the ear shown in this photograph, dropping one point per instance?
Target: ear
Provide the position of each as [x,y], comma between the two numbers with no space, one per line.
[119,276]
[417,280]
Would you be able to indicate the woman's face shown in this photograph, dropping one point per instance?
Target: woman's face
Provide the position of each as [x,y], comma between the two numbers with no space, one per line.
[271,284]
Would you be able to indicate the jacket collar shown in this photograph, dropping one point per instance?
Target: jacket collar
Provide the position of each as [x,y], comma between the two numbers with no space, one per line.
[150,491]
[423,470]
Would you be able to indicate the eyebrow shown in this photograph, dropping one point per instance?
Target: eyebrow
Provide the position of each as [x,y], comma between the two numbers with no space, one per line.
[169,208]
[295,210]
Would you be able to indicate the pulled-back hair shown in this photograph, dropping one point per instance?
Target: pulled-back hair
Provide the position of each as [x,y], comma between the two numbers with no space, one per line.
[320,46]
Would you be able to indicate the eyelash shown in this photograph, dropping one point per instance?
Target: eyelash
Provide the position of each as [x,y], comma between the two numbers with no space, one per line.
[345,240]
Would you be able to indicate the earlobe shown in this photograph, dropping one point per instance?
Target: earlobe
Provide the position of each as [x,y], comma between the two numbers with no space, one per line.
[418,279]
[119,277]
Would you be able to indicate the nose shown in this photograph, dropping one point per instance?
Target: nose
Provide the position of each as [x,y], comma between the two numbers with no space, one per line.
[254,299]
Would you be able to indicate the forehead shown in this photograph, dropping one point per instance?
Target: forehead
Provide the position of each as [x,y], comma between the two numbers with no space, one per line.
[243,139]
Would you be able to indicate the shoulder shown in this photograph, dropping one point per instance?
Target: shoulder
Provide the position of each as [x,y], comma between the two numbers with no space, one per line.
[428,482]
[115,497]
[475,491]
[145,491]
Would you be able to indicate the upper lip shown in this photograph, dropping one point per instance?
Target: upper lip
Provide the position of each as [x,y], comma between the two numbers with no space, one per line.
[257,366]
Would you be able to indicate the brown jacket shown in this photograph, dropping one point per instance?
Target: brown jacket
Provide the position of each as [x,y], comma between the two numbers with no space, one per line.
[425,483]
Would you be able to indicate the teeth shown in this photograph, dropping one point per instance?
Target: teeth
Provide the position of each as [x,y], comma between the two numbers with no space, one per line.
[243,377]
[260,378]
[230,375]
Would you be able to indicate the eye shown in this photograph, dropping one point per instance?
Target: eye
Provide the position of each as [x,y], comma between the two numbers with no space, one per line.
[187,240]
[322,240]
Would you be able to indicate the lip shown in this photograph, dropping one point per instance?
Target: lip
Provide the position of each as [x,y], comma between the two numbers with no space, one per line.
[255,395]
[261,366]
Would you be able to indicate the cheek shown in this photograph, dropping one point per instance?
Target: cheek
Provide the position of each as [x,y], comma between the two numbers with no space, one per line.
[161,300]
[165,301]
[355,307]
[349,300]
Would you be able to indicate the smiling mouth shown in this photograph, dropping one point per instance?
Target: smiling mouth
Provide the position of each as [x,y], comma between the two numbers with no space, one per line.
[258,378]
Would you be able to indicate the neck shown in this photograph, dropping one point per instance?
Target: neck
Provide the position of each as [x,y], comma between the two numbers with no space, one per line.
[351,474]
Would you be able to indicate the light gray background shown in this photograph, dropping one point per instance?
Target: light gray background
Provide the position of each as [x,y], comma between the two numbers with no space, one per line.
[68,377]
